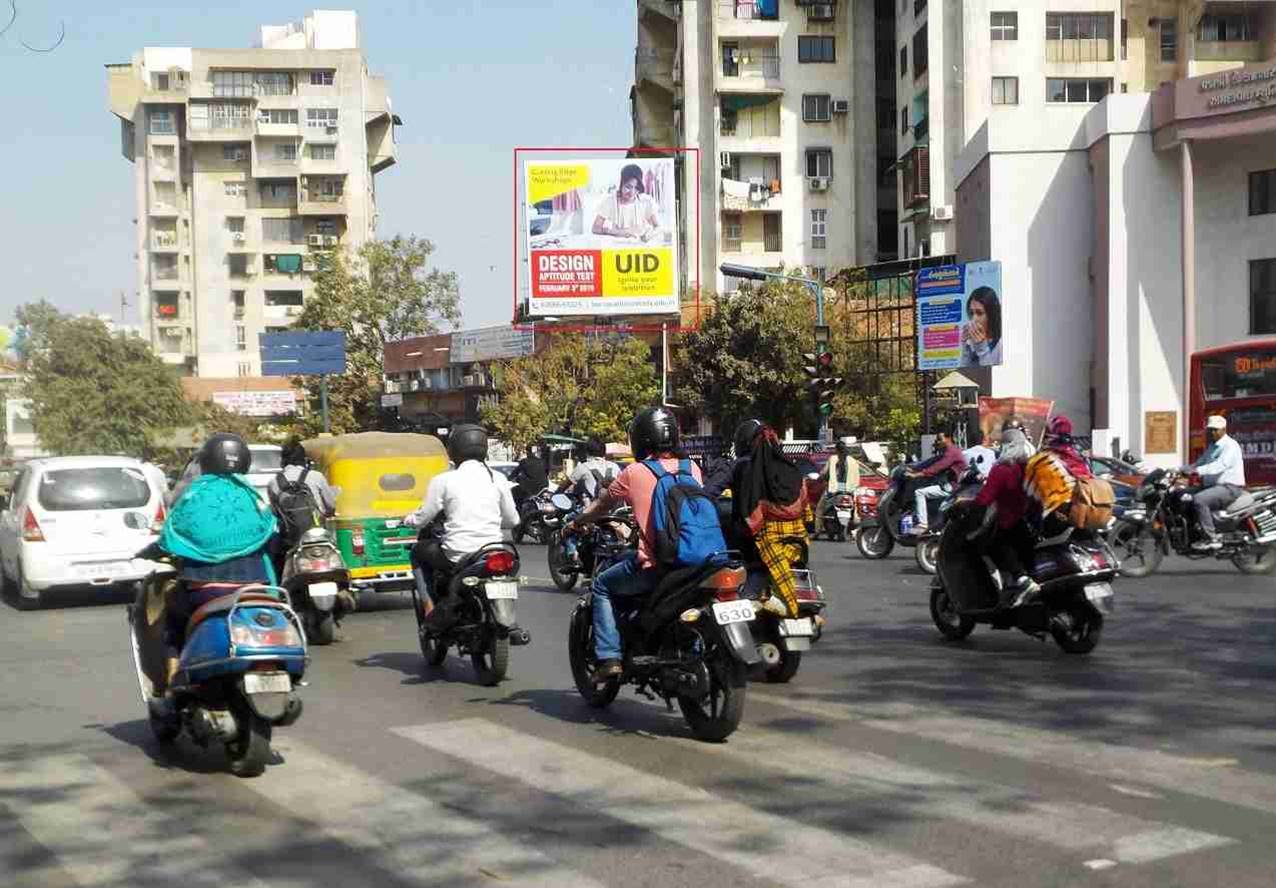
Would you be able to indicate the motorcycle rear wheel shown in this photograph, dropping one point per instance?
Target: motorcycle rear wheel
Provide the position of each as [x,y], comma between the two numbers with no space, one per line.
[1077,629]
[491,666]
[323,628]
[715,717]
[874,542]
[1256,562]
[927,555]
[249,752]
[783,672]
[432,648]
[943,612]
[580,651]
[564,579]
[1139,550]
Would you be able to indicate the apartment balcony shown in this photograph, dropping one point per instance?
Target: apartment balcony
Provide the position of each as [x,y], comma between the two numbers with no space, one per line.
[264,128]
[326,167]
[231,130]
[654,66]
[322,132]
[754,195]
[751,69]
[318,203]
[749,18]
[165,242]
[174,344]
[655,135]
[668,10]
[173,88]
[743,254]
[1244,51]
[168,315]
[271,167]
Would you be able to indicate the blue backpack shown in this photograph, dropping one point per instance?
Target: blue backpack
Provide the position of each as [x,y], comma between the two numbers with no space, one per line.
[684,519]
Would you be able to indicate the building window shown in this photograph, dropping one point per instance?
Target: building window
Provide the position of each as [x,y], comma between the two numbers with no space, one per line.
[283,297]
[277,115]
[237,303]
[819,229]
[241,338]
[235,189]
[322,78]
[220,116]
[732,229]
[277,191]
[274,83]
[1077,89]
[161,123]
[819,162]
[903,120]
[322,152]
[1262,296]
[730,60]
[1262,192]
[1169,40]
[235,151]
[1078,37]
[819,273]
[1005,26]
[289,230]
[232,84]
[159,82]
[286,152]
[816,49]
[167,306]
[903,61]
[286,263]
[166,195]
[325,226]
[815,109]
[320,117]
[921,53]
[238,264]
[245,369]
[772,239]
[235,224]
[1005,90]
[1125,39]
[326,189]
[1230,27]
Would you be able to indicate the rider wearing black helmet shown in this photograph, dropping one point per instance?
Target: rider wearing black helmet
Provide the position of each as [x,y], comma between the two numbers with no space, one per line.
[474,505]
[653,435]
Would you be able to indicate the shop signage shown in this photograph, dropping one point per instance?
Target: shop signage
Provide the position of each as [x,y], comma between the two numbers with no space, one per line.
[491,343]
[268,403]
[1240,87]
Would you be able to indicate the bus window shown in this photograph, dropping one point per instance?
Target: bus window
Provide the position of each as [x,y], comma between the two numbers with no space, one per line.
[1245,375]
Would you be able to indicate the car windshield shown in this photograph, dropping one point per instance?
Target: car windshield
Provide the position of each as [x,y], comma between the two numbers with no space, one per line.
[267,461]
[98,487]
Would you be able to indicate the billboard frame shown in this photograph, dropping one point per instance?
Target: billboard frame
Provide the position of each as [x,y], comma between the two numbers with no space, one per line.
[666,326]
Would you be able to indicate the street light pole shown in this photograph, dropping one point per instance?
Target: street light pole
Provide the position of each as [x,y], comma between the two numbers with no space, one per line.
[750,273]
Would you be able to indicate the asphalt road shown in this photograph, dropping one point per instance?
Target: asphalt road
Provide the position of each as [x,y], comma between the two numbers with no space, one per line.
[893,759]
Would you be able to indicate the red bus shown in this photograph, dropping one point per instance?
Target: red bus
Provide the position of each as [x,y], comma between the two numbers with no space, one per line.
[1238,381]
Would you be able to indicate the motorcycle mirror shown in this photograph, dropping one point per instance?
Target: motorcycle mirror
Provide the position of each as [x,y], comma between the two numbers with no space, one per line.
[561,501]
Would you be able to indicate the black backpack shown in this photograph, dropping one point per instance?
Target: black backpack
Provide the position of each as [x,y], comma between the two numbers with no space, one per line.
[296,507]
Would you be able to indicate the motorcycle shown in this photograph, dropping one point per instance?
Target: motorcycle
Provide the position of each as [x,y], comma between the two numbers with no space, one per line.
[485,585]
[318,582]
[877,537]
[537,518]
[1075,575]
[780,640]
[927,551]
[688,641]
[598,545]
[243,659]
[835,523]
[1162,519]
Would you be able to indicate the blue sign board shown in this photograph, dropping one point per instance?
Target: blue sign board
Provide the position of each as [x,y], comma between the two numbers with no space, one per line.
[959,316]
[303,354]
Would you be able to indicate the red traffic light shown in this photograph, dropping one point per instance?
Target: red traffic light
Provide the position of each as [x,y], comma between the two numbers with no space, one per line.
[824,360]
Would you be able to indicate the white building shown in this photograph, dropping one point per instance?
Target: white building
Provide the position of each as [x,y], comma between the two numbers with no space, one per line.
[247,164]
[779,97]
[1131,233]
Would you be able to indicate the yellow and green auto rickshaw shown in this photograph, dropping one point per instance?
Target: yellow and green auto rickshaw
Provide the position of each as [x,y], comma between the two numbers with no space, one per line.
[381,476]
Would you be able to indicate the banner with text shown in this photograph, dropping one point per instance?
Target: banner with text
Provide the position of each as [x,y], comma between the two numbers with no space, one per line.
[959,316]
[600,237]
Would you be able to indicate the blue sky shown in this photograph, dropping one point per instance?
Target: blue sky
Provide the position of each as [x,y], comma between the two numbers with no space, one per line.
[471,79]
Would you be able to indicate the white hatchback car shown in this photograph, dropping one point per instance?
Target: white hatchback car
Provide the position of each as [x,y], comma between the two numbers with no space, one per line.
[77,521]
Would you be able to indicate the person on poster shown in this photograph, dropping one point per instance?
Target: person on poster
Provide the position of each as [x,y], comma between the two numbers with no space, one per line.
[628,213]
[981,334]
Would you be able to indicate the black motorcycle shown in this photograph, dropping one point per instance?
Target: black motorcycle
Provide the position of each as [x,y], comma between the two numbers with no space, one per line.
[485,585]
[537,518]
[598,545]
[1162,518]
[876,537]
[1075,574]
[688,641]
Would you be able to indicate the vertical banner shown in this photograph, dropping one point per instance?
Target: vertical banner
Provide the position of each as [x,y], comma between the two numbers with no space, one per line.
[959,316]
[600,237]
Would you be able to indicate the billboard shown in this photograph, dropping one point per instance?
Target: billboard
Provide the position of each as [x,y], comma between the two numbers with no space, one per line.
[959,318]
[279,402]
[600,237]
[491,343]
[1034,413]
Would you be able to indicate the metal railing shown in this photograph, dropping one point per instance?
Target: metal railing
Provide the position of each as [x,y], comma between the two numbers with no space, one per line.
[748,63]
[746,10]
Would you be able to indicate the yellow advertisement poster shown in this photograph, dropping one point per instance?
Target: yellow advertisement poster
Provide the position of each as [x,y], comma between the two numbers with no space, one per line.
[600,237]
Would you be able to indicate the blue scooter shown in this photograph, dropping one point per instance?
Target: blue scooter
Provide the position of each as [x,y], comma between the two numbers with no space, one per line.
[243,658]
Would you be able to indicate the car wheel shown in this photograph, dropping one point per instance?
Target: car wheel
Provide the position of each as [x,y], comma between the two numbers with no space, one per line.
[21,599]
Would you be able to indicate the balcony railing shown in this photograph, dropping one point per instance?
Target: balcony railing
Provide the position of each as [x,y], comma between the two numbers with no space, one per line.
[748,10]
[752,64]
[164,239]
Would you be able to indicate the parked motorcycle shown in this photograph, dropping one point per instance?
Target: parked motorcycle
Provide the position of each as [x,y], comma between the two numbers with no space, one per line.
[537,518]
[781,641]
[1075,575]
[598,545]
[318,583]
[485,585]
[1162,519]
[688,641]
[243,658]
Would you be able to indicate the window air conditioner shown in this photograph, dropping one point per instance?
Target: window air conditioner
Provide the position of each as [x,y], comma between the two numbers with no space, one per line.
[329,240]
[315,240]
[817,183]
[309,264]
[841,106]
[237,237]
[942,214]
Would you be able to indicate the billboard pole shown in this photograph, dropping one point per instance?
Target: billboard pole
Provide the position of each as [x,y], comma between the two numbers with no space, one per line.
[323,400]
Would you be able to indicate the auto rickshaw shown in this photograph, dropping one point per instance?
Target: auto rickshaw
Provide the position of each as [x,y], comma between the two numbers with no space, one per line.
[381,476]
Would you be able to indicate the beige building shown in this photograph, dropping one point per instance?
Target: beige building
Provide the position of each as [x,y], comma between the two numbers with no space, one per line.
[249,164]
[780,99]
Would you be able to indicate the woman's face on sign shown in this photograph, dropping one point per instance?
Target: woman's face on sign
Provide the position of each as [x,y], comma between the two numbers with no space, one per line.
[978,321]
[628,190]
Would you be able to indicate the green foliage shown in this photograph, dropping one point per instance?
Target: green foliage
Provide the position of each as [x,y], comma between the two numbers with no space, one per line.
[384,293]
[94,392]
[746,358]
[578,386]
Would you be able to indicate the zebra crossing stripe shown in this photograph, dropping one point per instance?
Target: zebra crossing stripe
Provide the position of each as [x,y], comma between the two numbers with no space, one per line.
[767,846]
[417,838]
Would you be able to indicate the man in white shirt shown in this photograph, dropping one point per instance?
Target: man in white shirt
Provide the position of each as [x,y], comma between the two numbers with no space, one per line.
[474,505]
[1222,471]
[980,456]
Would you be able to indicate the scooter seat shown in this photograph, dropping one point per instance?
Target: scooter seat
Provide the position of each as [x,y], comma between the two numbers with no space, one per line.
[226,602]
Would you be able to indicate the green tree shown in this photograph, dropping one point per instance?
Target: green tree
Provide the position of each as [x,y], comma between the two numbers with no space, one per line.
[578,386]
[387,291]
[97,392]
[746,358]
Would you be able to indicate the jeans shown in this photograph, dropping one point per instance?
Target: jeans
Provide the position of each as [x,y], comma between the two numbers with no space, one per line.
[624,579]
[922,496]
[1220,496]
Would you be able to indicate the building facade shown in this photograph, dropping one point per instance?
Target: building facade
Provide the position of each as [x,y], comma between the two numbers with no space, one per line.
[249,164]
[780,98]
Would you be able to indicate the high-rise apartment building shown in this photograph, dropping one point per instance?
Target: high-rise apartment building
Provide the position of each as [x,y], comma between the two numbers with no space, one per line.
[962,61]
[780,97]
[249,164]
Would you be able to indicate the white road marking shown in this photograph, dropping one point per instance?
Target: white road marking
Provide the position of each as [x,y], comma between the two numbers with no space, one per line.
[1100,864]
[770,847]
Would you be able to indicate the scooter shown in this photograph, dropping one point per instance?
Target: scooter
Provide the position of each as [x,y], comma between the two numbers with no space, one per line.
[927,552]
[781,641]
[242,661]
[835,523]
[318,582]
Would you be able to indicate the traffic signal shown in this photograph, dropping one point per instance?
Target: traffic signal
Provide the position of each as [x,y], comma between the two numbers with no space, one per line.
[821,379]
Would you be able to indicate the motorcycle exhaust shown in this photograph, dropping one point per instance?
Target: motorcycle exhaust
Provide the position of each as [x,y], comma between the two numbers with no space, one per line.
[769,653]
[206,725]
